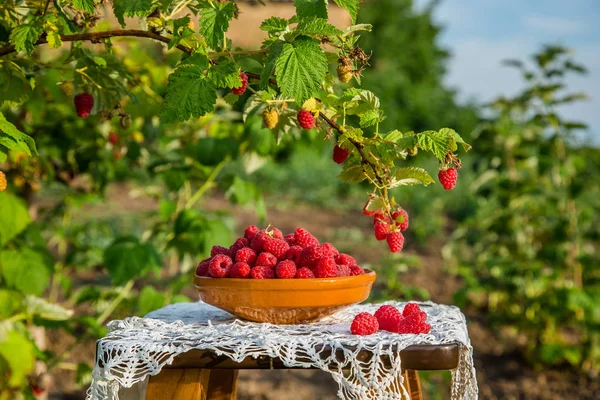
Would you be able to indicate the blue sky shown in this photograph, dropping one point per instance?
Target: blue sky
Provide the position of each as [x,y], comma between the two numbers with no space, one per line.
[482,33]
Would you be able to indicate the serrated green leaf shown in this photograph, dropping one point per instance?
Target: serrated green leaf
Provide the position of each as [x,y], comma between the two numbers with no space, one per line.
[226,74]
[352,174]
[301,68]
[130,8]
[214,22]
[411,176]
[357,28]
[14,139]
[375,204]
[88,6]
[190,93]
[36,306]
[317,27]
[126,258]
[274,24]
[181,31]
[394,136]
[274,53]
[351,6]
[456,138]
[311,8]
[370,118]
[25,270]
[25,36]
[435,142]
[54,40]
[14,217]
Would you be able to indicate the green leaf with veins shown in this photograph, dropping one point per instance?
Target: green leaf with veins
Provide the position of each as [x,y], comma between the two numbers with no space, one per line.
[214,22]
[190,93]
[435,142]
[311,8]
[351,6]
[352,173]
[226,74]
[274,53]
[25,270]
[314,26]
[456,138]
[13,139]
[14,217]
[411,176]
[274,24]
[181,31]
[130,8]
[301,68]
[25,36]
[89,6]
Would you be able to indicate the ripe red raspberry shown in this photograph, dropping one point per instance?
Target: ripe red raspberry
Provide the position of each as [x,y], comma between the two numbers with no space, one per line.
[277,247]
[424,327]
[219,250]
[448,178]
[304,238]
[276,233]
[239,244]
[290,239]
[250,232]
[306,119]
[84,102]
[262,272]
[410,308]
[266,260]
[113,138]
[414,323]
[343,270]
[310,256]
[293,253]
[382,229]
[240,270]
[388,317]
[326,268]
[304,273]
[401,219]
[240,90]
[395,241]
[286,269]
[356,270]
[259,241]
[364,324]
[340,155]
[345,259]
[202,268]
[245,255]
[219,266]
[381,217]
[329,250]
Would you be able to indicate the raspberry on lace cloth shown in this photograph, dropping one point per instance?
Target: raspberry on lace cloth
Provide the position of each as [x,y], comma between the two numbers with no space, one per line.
[136,348]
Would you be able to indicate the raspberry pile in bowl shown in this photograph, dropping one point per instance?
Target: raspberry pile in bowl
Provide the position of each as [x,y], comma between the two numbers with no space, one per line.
[268,254]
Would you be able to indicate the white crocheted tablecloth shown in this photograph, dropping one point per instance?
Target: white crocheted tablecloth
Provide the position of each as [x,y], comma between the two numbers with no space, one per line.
[136,348]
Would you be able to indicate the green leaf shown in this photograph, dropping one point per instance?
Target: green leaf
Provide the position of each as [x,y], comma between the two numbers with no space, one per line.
[25,271]
[189,92]
[375,204]
[274,53]
[54,40]
[150,299]
[351,6]
[311,8]
[19,353]
[357,28]
[214,22]
[36,306]
[126,258]
[15,87]
[181,31]
[455,138]
[14,217]
[301,68]
[370,118]
[317,27]
[130,8]
[435,142]
[226,74]
[408,176]
[25,36]
[352,174]
[14,139]
[274,24]
[88,6]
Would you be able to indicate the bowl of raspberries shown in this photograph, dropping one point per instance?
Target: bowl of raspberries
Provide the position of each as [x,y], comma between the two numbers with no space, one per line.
[265,276]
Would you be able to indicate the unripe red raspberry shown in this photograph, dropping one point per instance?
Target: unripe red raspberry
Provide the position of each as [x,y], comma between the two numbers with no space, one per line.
[240,90]
[448,178]
[340,155]
[306,119]
[270,118]
[84,102]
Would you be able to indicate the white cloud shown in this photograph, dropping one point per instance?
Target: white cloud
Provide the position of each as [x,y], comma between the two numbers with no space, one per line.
[554,25]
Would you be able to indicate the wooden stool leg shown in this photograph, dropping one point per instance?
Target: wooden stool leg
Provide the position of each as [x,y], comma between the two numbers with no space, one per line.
[222,384]
[179,384]
[412,384]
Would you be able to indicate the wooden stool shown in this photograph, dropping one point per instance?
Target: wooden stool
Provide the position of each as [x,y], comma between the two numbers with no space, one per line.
[202,375]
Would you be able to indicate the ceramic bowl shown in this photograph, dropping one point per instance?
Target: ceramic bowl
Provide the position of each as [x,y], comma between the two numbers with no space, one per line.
[284,301]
